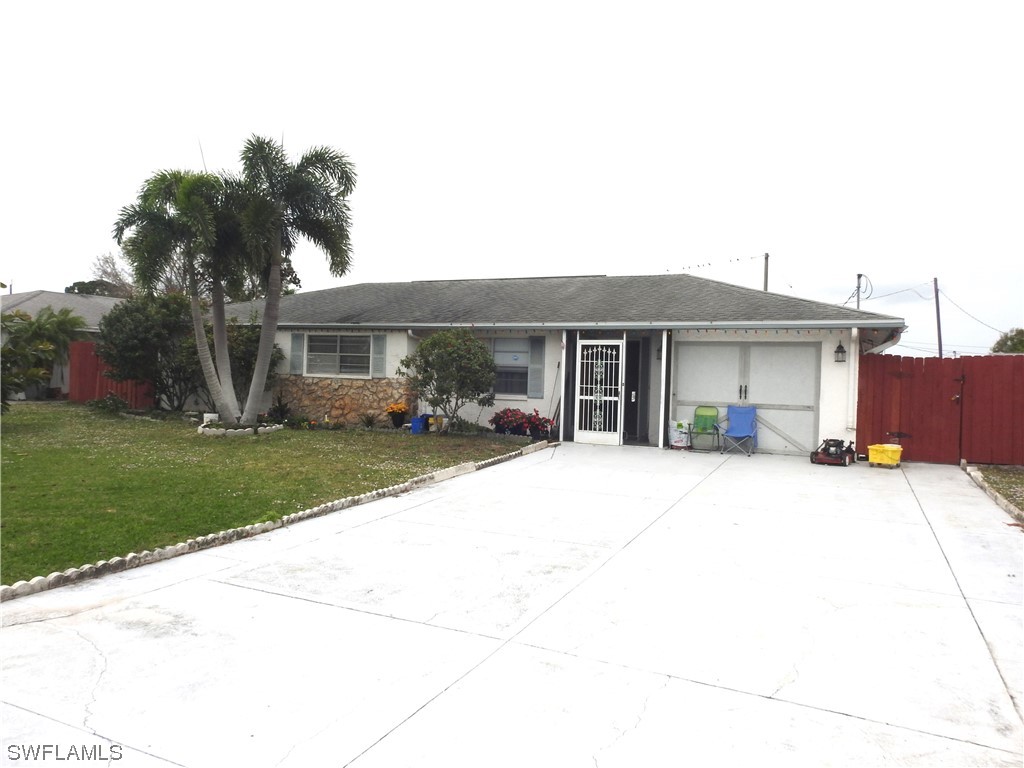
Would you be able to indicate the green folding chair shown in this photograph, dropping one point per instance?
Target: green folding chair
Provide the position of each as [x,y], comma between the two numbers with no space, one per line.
[705,426]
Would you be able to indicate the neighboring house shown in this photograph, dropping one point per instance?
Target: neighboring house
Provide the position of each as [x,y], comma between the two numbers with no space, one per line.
[613,359]
[89,308]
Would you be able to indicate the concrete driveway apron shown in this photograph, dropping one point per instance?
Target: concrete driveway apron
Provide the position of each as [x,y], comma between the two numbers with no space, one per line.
[580,606]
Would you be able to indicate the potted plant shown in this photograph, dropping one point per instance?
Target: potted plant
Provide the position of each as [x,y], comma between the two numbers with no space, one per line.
[509,421]
[538,426]
[397,413]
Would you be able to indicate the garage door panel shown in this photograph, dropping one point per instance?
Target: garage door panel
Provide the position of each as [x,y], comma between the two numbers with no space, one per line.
[785,431]
[784,374]
[781,380]
[707,373]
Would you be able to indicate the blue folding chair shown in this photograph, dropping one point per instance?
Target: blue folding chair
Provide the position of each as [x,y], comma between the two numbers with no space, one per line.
[742,430]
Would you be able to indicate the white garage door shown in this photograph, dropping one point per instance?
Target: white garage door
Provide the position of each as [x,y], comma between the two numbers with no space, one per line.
[781,380]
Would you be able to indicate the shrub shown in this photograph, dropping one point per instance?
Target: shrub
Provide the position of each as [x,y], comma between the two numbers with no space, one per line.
[280,410]
[509,421]
[462,426]
[512,421]
[110,403]
[542,425]
[451,369]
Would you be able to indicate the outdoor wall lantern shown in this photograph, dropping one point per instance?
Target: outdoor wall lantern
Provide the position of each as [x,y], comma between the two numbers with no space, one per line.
[840,353]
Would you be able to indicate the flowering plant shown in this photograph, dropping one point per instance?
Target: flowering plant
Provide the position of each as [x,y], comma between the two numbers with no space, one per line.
[510,421]
[536,423]
[397,408]
[513,421]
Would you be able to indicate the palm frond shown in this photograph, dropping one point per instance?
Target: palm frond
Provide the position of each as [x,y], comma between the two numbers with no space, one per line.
[265,164]
[329,164]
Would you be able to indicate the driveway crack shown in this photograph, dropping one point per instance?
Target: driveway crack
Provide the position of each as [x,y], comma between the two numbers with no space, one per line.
[99,679]
[623,732]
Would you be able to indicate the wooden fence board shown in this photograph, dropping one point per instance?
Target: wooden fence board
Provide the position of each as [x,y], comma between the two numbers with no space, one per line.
[953,408]
[87,380]
[994,410]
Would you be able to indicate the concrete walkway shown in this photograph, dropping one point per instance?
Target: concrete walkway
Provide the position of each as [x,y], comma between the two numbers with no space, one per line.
[580,606]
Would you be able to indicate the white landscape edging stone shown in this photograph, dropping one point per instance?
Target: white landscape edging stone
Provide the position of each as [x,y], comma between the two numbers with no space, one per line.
[262,429]
[136,559]
[975,474]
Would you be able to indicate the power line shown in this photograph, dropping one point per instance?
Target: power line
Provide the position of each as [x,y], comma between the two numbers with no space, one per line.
[867,293]
[905,290]
[914,290]
[969,314]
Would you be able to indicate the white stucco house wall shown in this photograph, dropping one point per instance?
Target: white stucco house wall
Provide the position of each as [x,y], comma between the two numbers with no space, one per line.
[613,359]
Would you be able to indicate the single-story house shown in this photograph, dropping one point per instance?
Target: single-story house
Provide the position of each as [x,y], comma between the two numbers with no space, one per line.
[90,308]
[613,359]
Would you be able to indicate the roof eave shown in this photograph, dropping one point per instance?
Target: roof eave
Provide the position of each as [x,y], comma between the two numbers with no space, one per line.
[671,325]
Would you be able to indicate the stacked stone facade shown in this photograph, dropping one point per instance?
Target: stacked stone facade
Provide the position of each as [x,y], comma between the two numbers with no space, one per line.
[343,401]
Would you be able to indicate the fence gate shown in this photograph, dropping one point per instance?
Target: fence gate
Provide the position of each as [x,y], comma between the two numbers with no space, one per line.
[599,392]
[942,411]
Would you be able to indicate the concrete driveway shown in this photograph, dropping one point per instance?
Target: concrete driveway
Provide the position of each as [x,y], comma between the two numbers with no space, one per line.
[580,606]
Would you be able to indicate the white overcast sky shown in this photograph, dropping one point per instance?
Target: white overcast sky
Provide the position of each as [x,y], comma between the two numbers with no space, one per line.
[556,138]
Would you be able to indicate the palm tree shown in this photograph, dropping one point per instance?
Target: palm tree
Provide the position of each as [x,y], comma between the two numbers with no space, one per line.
[174,228]
[32,347]
[282,202]
[57,329]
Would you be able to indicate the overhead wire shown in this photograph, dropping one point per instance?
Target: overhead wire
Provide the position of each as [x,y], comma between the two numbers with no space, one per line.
[931,297]
[866,294]
[869,290]
[946,295]
[906,290]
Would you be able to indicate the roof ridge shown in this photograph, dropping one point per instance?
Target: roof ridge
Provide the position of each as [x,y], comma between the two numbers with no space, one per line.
[500,279]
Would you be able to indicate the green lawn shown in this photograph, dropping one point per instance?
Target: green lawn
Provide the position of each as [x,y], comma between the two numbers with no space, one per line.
[78,486]
[1008,481]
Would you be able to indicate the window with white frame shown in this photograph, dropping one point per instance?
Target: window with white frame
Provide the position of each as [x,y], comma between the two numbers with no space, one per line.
[512,361]
[338,354]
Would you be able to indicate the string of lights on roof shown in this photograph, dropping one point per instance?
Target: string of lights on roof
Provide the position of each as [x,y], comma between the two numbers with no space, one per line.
[708,264]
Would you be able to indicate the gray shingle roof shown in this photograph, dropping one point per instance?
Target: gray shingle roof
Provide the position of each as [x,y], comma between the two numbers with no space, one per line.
[662,301]
[89,308]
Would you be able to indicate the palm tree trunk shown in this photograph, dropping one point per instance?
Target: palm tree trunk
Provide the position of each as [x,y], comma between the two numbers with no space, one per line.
[268,330]
[220,348]
[225,413]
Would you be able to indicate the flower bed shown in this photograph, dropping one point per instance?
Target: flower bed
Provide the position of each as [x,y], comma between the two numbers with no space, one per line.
[512,421]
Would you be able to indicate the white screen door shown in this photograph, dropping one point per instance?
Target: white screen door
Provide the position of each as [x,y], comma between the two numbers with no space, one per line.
[599,392]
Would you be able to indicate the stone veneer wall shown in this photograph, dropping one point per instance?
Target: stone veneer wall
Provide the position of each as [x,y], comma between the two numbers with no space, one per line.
[343,401]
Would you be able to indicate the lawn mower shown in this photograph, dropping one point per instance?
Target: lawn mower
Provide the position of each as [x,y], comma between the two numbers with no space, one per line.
[832,451]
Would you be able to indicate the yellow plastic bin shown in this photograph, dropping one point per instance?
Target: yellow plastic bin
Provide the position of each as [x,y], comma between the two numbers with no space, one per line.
[885,455]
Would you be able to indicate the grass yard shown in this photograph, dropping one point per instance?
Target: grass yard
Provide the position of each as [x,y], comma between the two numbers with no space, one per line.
[78,486]
[1008,481]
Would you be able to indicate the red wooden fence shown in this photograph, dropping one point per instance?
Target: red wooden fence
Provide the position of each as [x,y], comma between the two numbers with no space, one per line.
[87,381]
[969,408]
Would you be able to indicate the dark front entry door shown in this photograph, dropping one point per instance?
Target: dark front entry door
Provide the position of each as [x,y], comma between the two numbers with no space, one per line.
[635,421]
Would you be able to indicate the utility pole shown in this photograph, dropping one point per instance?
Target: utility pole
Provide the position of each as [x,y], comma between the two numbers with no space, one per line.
[766,271]
[859,276]
[938,320]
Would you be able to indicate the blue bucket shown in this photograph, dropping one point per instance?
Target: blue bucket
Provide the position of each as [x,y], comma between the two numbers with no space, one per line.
[419,425]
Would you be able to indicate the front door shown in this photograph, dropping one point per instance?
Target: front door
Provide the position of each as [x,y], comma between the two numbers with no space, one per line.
[635,394]
[599,392]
